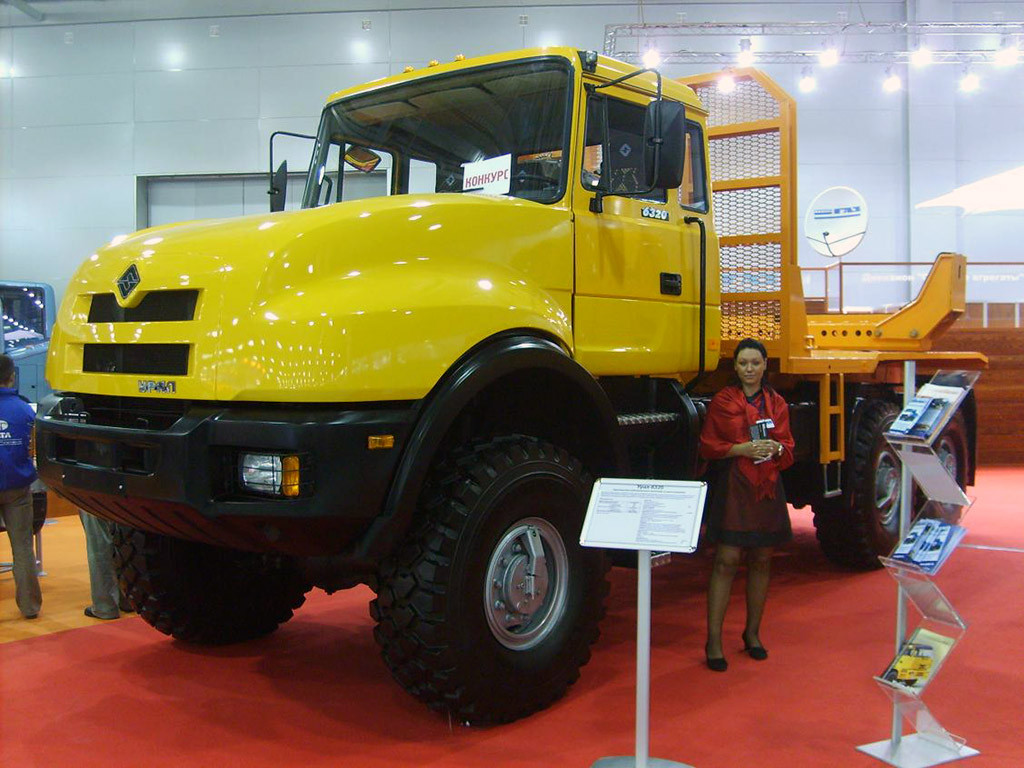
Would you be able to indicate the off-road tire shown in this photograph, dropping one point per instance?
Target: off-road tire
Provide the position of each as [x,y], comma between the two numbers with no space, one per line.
[862,524]
[435,626]
[202,594]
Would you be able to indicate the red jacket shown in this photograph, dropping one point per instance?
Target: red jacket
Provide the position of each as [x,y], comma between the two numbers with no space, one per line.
[728,423]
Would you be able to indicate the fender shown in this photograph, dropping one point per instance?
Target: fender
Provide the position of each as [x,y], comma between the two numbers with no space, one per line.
[484,364]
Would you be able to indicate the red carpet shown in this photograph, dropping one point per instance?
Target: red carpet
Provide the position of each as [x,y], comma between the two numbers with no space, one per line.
[316,694]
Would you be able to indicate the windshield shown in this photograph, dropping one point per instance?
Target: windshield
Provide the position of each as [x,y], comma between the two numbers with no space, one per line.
[495,130]
[24,316]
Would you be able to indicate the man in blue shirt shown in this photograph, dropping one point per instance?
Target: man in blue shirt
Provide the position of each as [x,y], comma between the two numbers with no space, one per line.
[16,475]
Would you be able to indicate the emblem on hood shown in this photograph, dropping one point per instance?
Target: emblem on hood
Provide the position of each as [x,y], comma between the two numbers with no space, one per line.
[127,282]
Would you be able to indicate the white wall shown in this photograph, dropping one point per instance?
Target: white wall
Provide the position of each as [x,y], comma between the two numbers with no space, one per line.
[164,88]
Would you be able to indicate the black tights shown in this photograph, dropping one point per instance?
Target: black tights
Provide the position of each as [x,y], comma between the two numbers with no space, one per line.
[727,561]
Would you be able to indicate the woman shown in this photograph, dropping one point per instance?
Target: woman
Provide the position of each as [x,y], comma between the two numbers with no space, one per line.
[748,507]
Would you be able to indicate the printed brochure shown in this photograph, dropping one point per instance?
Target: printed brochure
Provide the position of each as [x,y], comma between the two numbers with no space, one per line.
[928,544]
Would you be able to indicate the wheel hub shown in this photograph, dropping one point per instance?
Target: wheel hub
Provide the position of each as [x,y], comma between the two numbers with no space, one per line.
[887,488]
[526,587]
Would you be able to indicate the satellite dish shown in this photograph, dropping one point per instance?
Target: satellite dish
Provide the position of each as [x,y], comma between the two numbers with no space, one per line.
[836,221]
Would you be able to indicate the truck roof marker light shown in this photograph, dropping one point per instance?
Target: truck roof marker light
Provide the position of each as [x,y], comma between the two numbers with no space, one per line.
[652,58]
[407,69]
[726,82]
[433,63]
[459,57]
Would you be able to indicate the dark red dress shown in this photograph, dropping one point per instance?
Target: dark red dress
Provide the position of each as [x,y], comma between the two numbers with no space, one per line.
[747,507]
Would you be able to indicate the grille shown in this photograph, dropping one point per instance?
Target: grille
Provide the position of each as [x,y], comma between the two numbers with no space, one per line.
[756,211]
[751,268]
[748,103]
[131,412]
[155,359]
[156,306]
[757,319]
[749,156]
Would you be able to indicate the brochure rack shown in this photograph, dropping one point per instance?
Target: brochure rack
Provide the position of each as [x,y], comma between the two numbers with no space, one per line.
[920,657]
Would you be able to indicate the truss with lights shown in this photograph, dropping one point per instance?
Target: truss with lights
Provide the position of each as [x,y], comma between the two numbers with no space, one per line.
[618,42]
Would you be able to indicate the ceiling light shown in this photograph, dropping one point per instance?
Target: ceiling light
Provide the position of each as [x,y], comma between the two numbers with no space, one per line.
[892,82]
[922,57]
[829,55]
[969,82]
[652,58]
[808,82]
[726,83]
[746,57]
[1008,53]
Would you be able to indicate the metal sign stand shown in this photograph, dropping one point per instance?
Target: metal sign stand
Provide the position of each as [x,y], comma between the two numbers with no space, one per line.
[641,514]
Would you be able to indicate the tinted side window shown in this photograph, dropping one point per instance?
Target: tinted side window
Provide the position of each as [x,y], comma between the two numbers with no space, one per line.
[693,191]
[625,134]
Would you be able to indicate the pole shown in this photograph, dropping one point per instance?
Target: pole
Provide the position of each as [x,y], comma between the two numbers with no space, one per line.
[906,505]
[643,655]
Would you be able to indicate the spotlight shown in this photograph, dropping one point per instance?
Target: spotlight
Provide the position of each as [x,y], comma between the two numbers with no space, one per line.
[746,57]
[969,82]
[892,82]
[652,58]
[922,57]
[1008,53]
[808,82]
[726,83]
[829,55]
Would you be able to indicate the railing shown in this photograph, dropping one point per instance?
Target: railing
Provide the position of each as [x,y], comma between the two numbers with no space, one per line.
[993,289]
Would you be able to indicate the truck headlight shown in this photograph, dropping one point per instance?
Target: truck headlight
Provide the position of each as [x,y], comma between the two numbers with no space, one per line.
[270,473]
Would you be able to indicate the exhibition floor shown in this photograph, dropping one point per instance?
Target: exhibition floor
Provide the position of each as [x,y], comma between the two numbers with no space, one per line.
[315,693]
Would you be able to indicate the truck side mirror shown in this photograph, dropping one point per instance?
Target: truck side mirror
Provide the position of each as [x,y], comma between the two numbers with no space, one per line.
[278,187]
[664,132]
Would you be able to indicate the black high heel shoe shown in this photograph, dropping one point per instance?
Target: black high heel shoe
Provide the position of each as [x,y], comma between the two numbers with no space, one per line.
[717,664]
[756,652]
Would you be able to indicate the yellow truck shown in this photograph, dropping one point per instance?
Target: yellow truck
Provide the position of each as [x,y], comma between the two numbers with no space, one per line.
[415,390]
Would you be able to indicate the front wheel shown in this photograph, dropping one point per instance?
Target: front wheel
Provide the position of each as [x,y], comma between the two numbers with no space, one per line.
[204,594]
[489,609]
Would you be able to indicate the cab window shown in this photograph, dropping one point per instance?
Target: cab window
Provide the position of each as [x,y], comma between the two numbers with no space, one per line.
[615,126]
[693,191]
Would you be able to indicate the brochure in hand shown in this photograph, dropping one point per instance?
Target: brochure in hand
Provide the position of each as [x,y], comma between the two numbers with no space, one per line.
[928,544]
[759,431]
[917,660]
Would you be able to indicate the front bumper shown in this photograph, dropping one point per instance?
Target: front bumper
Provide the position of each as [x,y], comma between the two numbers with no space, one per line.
[180,478]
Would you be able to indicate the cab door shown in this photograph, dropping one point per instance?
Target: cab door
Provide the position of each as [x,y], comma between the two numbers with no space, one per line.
[634,305]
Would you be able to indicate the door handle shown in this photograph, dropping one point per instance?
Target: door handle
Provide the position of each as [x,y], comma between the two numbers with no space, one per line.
[671,283]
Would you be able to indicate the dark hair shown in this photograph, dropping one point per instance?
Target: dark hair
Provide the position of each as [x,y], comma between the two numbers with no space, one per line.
[6,369]
[749,343]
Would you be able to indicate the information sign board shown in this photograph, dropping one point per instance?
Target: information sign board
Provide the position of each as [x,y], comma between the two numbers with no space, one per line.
[662,515]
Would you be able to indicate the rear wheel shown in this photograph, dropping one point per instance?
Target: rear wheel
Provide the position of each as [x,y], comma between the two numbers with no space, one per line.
[863,523]
[489,609]
[204,594]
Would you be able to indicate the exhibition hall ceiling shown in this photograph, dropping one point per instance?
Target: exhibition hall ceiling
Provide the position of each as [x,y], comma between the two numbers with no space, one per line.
[28,12]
